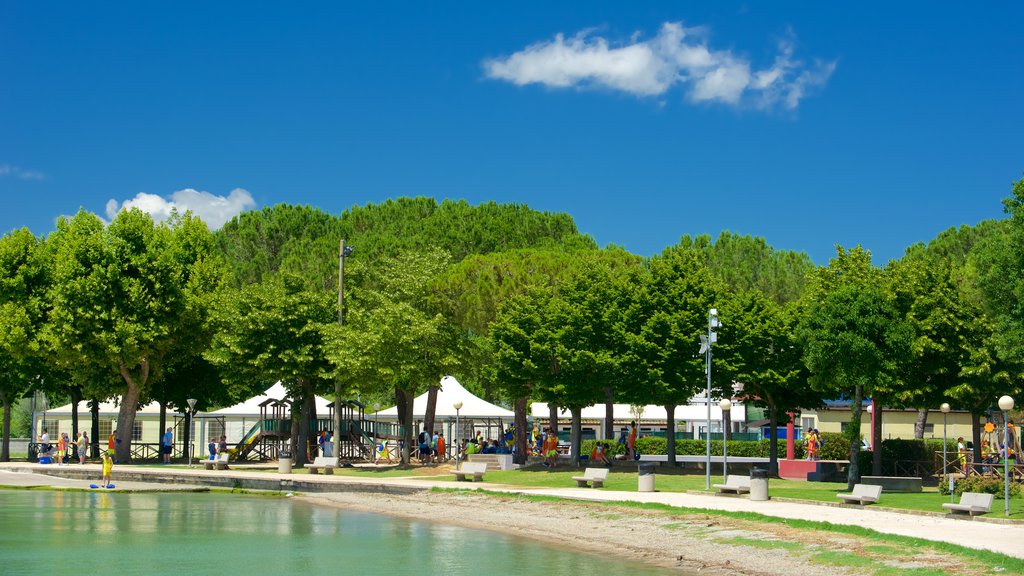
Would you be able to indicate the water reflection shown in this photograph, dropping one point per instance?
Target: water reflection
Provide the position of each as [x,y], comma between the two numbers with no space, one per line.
[128,534]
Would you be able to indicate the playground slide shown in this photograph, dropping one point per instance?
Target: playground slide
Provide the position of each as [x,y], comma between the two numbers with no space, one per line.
[248,441]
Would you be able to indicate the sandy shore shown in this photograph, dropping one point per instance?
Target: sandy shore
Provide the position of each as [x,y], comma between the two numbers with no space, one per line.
[690,543]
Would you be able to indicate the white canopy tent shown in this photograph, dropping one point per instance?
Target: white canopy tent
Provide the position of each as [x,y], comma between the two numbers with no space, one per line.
[449,393]
[695,415]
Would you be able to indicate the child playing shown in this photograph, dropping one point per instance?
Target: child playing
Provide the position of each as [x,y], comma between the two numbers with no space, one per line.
[108,465]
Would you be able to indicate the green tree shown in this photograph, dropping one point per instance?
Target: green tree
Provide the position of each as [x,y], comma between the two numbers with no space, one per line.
[120,301]
[276,330]
[853,336]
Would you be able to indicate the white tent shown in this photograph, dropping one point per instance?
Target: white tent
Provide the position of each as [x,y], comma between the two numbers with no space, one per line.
[694,412]
[251,407]
[449,393]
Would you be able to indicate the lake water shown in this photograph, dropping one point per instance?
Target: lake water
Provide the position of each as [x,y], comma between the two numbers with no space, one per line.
[44,532]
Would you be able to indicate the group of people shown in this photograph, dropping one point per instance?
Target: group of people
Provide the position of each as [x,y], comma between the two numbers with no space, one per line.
[66,450]
[813,444]
[431,447]
[217,446]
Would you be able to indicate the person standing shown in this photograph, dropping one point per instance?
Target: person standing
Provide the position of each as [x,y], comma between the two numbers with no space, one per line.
[167,445]
[108,466]
[433,448]
[440,447]
[44,444]
[62,448]
[83,445]
[631,442]
[551,449]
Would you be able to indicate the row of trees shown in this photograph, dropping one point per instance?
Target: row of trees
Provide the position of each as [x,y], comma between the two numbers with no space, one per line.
[516,302]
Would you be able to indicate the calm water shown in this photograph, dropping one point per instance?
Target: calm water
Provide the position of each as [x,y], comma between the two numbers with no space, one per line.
[120,534]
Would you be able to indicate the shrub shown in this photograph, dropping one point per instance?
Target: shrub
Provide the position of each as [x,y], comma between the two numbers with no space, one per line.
[982,484]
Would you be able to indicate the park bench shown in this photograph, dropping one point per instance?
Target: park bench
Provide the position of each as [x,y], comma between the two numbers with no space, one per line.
[734,485]
[971,503]
[595,476]
[327,463]
[474,469]
[218,463]
[862,494]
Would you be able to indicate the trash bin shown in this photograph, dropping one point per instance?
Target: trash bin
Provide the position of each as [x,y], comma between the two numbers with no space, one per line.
[645,478]
[759,484]
[284,462]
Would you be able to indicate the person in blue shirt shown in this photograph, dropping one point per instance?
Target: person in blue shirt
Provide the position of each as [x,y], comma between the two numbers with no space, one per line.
[167,445]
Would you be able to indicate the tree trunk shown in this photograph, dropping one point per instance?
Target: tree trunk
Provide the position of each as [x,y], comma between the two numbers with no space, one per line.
[876,439]
[553,418]
[919,424]
[76,397]
[163,426]
[128,409]
[428,418]
[94,428]
[609,414]
[5,446]
[521,432]
[307,414]
[575,436]
[773,440]
[853,475]
[670,437]
[403,405]
[976,433]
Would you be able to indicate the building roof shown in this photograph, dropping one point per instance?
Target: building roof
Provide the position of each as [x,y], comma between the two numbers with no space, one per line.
[251,407]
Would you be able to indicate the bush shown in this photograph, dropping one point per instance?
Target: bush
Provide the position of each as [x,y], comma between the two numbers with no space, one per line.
[982,484]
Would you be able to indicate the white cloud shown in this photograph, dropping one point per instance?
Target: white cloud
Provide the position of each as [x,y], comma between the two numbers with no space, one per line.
[212,209]
[20,173]
[676,55]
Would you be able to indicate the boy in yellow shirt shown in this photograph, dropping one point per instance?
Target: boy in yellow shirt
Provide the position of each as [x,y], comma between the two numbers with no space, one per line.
[108,465]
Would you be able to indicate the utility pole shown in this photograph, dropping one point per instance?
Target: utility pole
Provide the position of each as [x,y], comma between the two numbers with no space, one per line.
[343,251]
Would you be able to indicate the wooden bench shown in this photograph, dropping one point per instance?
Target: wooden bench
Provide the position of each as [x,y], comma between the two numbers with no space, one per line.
[474,469]
[595,476]
[734,485]
[327,463]
[971,503]
[219,463]
[862,494]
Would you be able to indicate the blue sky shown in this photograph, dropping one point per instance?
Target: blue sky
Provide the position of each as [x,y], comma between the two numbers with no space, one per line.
[809,124]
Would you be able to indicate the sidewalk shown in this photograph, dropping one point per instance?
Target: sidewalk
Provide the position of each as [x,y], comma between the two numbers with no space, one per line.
[1006,538]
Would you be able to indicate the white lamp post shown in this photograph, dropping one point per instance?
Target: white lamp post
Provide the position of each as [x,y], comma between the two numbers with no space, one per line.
[945,410]
[726,406]
[1006,404]
[191,428]
[705,348]
[458,406]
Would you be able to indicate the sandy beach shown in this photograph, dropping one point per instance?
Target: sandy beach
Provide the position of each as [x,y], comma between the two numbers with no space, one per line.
[690,543]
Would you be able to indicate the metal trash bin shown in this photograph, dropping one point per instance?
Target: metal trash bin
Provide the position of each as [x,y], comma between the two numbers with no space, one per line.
[284,462]
[759,484]
[645,478]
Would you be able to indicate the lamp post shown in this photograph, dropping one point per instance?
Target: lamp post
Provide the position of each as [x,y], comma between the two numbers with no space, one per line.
[945,410]
[726,406]
[705,348]
[343,252]
[191,428]
[458,406]
[1006,404]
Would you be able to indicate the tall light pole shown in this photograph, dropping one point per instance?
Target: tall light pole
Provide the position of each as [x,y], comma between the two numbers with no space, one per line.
[1006,404]
[705,348]
[726,406]
[458,406]
[343,252]
[945,410]
[191,428]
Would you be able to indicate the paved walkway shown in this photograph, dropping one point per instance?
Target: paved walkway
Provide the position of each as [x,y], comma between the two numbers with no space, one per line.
[1004,537]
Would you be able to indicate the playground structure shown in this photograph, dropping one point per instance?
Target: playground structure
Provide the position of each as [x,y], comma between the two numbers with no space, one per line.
[271,436]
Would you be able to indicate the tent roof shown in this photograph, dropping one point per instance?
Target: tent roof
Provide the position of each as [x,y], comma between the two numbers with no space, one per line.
[106,409]
[251,407]
[450,392]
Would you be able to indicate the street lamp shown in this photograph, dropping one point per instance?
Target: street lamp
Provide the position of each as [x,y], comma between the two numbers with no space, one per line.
[191,428]
[343,252]
[705,348]
[945,410]
[458,406]
[726,406]
[1006,404]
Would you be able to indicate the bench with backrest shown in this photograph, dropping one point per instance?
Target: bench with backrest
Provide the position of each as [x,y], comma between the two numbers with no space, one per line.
[220,462]
[862,494]
[734,485]
[474,469]
[972,503]
[326,463]
[595,476]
